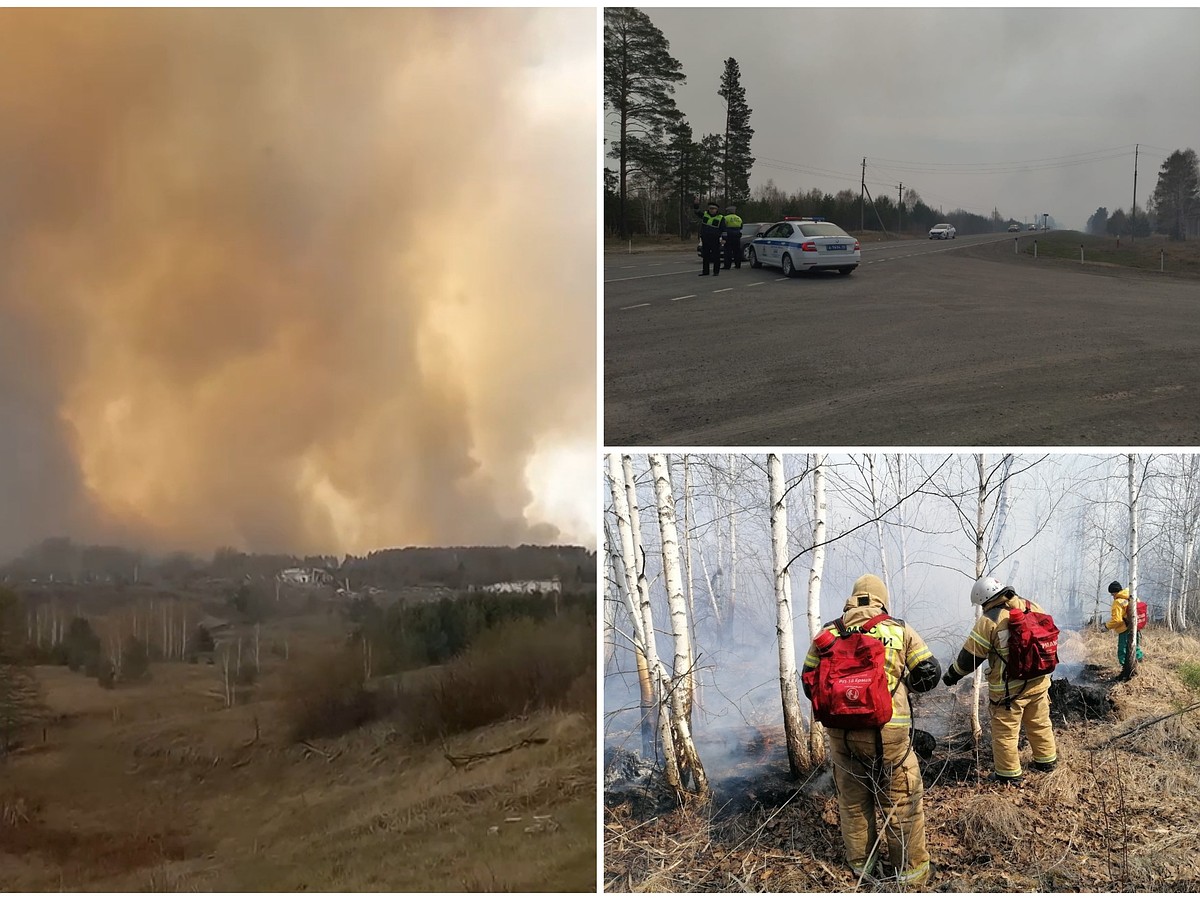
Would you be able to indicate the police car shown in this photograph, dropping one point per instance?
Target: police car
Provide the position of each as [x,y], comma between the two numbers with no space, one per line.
[805,245]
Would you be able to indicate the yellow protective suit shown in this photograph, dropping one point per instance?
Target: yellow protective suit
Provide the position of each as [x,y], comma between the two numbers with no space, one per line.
[1013,702]
[876,770]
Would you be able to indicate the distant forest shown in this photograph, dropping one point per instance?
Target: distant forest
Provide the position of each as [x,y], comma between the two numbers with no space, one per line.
[62,560]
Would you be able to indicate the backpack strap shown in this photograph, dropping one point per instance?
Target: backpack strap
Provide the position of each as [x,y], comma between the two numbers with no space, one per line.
[873,621]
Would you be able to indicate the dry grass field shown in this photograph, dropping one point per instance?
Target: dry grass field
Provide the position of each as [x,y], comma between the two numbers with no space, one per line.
[1118,814]
[157,787]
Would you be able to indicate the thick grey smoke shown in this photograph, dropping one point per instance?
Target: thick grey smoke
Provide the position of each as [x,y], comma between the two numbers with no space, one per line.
[266,277]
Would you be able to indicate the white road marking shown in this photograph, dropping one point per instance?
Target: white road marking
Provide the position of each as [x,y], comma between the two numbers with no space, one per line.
[635,306]
[684,297]
[655,275]
[755,283]
[722,290]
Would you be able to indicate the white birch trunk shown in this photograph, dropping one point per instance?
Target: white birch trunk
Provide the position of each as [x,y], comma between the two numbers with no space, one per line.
[733,554]
[816,737]
[664,495]
[980,561]
[658,672]
[793,721]
[697,683]
[681,684]
[876,507]
[1130,667]
[1187,580]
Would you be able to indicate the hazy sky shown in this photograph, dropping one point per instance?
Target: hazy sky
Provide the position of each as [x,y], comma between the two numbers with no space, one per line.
[265,277]
[973,108]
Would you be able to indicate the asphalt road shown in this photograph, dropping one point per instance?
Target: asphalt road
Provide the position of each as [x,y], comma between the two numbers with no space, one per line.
[930,343]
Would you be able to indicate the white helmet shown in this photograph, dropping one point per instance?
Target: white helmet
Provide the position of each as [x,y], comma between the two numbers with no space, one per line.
[985,589]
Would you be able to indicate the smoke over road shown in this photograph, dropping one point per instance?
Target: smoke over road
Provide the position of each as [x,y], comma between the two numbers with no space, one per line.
[268,278]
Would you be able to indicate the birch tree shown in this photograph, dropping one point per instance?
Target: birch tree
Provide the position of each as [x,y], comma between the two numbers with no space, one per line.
[816,732]
[626,570]
[1130,667]
[799,758]
[681,683]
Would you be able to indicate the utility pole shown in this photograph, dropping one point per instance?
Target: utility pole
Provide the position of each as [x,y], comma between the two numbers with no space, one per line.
[900,208]
[1133,209]
[862,209]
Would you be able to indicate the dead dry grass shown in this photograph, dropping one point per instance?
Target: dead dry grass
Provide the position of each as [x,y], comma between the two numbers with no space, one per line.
[158,788]
[1118,814]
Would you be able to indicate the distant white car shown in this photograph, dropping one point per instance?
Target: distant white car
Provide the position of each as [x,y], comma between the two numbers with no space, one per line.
[1014,227]
[805,245]
[943,232]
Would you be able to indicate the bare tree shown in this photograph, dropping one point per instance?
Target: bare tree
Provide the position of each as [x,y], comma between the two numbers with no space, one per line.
[816,733]
[627,574]
[681,682]
[1131,619]
[799,759]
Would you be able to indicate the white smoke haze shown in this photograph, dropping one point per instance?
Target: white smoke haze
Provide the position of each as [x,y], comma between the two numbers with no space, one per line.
[1057,535]
[267,280]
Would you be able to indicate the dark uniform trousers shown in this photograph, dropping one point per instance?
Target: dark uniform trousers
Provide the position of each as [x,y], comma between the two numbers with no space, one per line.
[733,250]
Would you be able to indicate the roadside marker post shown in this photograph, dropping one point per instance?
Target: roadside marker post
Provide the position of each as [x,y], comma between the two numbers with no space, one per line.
[1016,248]
[1035,248]
[1081,252]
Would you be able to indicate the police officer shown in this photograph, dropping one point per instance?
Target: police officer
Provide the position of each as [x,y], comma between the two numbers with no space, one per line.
[733,237]
[712,227]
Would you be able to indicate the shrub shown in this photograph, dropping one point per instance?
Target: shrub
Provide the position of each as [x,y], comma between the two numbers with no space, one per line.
[325,696]
[513,669]
[1189,673]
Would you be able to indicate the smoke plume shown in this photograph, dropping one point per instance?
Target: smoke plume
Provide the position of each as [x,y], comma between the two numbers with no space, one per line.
[313,280]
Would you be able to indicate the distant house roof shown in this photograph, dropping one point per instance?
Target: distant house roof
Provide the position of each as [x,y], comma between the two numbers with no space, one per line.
[212,623]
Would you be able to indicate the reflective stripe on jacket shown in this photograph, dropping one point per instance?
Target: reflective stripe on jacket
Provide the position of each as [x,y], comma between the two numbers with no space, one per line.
[989,641]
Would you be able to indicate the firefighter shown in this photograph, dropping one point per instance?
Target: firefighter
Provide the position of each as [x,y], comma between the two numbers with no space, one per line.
[712,235]
[1012,703]
[733,237]
[876,770]
[1118,621]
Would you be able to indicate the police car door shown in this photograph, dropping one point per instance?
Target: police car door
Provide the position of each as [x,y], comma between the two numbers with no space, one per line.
[775,237]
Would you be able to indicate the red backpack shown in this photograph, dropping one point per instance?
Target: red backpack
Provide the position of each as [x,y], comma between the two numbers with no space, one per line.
[1143,614]
[848,687]
[1032,643]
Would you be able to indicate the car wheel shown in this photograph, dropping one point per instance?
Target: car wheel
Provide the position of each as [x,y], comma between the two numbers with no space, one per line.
[845,270]
[789,270]
[753,257]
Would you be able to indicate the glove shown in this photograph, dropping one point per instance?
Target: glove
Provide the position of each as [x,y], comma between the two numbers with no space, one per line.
[950,679]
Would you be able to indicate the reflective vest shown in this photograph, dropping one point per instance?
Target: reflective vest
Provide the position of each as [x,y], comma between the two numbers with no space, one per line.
[710,226]
[733,222]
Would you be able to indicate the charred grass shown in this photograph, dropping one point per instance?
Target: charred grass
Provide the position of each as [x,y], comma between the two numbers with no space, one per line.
[159,788]
[1117,814]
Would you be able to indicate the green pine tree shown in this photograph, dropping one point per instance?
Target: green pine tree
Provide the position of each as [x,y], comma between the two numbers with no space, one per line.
[639,83]
[736,161]
[1177,194]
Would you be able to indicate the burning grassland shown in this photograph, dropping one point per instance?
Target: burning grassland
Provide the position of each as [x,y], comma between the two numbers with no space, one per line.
[1116,814]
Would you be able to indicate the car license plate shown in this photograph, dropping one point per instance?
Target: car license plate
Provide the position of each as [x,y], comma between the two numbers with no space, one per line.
[835,246]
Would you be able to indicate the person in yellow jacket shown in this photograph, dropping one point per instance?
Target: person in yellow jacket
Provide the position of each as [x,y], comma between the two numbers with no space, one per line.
[1013,703]
[1118,621]
[876,769]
